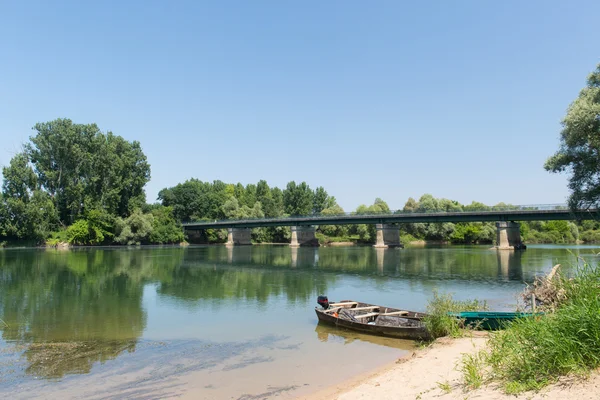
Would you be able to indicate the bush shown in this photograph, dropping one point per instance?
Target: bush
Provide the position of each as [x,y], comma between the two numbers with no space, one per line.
[82,232]
[590,236]
[440,323]
[406,238]
[164,227]
[135,229]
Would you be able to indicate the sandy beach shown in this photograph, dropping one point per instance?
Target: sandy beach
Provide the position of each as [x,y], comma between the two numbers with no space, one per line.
[433,373]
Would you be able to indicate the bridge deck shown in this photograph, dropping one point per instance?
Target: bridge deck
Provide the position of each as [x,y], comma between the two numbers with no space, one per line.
[400,218]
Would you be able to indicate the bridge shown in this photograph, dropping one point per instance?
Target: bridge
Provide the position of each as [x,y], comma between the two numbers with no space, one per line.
[303,227]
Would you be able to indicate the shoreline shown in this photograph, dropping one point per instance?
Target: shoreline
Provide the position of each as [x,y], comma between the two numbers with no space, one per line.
[434,373]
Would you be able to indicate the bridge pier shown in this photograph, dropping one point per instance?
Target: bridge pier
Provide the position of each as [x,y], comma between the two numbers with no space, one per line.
[239,236]
[508,236]
[304,236]
[388,235]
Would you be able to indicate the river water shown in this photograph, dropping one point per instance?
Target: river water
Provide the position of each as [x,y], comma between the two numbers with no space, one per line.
[225,323]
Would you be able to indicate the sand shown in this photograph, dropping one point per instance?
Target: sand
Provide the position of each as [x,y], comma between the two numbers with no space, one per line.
[432,373]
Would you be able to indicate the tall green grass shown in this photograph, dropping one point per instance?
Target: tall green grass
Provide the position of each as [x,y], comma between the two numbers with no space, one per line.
[438,321]
[535,351]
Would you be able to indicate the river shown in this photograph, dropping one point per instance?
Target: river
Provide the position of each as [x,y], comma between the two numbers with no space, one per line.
[225,323]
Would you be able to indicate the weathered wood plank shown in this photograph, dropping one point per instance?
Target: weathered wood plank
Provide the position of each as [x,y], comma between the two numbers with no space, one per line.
[348,303]
[364,308]
[395,313]
[373,314]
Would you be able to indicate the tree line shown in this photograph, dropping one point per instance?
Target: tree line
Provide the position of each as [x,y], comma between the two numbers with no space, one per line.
[73,183]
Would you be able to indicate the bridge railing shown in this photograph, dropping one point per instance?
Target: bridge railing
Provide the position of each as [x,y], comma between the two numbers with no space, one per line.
[498,208]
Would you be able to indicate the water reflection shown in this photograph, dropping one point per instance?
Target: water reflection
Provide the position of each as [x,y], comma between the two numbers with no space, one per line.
[66,311]
[72,309]
[326,333]
[461,263]
[510,264]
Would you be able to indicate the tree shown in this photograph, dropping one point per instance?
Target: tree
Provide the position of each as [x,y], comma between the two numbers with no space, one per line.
[579,151]
[322,200]
[27,211]
[81,168]
[265,197]
[278,207]
[334,230]
[135,229]
[298,199]
[165,229]
[95,228]
[411,205]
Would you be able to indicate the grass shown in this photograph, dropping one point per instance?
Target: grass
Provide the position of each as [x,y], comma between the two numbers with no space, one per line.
[533,352]
[472,367]
[445,386]
[439,323]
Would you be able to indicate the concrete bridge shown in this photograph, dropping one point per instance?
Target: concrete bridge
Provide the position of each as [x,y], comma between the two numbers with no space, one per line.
[303,228]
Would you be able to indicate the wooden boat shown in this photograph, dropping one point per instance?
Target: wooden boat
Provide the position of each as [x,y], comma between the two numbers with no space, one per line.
[490,320]
[374,319]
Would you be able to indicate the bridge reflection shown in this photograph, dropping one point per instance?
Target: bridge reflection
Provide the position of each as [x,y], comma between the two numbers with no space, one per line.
[474,262]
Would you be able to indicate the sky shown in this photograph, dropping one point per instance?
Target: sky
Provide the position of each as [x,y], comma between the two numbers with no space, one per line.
[391,99]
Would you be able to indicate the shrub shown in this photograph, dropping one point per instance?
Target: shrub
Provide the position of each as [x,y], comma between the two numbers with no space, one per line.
[440,323]
[135,229]
[164,227]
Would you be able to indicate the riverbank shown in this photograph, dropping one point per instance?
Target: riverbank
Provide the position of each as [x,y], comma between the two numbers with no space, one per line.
[434,373]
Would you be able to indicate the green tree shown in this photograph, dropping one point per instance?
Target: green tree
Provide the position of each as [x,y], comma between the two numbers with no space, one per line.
[135,229]
[165,229]
[579,151]
[264,195]
[411,205]
[334,230]
[27,211]
[298,199]
[322,200]
[278,206]
[95,228]
[79,167]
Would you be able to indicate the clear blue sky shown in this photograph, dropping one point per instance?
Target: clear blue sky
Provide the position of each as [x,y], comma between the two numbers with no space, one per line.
[387,99]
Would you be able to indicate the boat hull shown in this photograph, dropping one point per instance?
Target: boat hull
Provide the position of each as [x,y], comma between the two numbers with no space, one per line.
[490,321]
[412,327]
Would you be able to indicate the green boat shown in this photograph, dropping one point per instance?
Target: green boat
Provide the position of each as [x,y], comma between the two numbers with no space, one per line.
[490,320]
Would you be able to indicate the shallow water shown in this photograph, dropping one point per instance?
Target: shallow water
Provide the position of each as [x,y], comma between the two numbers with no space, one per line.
[215,322]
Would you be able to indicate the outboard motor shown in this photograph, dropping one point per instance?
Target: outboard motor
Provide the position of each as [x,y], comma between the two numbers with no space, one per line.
[323,301]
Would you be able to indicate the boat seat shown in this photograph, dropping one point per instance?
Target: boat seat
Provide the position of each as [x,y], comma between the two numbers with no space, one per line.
[373,314]
[346,303]
[364,308]
[395,313]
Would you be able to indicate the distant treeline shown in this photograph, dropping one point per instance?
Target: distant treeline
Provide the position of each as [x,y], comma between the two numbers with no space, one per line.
[72,183]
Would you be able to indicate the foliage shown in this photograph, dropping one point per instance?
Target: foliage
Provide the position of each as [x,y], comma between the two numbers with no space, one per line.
[135,229]
[57,237]
[322,200]
[78,166]
[334,230]
[298,199]
[406,238]
[64,173]
[165,229]
[95,228]
[535,351]
[580,139]
[472,368]
[440,323]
